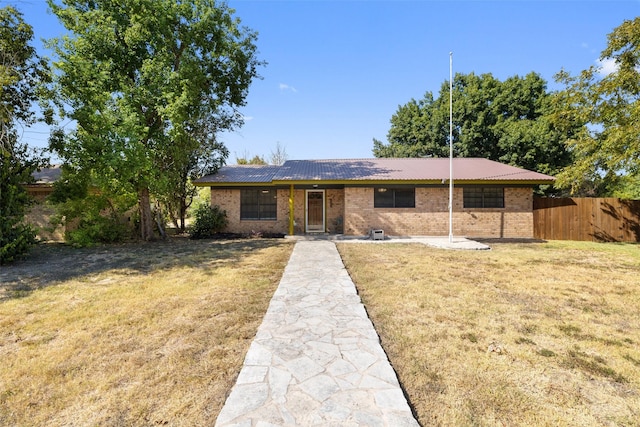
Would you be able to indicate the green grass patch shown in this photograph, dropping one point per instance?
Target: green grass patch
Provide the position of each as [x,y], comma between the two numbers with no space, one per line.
[592,364]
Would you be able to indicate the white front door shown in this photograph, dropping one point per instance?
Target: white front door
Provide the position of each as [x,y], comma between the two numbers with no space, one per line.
[315,211]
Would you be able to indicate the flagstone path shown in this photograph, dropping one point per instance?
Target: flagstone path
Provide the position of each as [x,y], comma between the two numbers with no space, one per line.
[316,359]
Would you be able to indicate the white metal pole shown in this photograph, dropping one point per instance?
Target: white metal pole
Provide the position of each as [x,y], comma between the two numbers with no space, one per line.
[450,147]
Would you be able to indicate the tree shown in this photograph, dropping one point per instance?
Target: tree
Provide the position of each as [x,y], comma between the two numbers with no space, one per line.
[21,71]
[206,159]
[255,160]
[607,108]
[279,155]
[418,129]
[138,77]
[16,169]
[504,121]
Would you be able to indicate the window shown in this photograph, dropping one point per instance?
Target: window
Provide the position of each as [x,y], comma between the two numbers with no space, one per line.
[394,197]
[483,197]
[258,204]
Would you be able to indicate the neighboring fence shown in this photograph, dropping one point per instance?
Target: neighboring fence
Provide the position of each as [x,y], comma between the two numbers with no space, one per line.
[596,219]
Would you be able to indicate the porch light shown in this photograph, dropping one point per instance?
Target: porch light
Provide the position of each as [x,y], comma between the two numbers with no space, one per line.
[382,190]
[265,191]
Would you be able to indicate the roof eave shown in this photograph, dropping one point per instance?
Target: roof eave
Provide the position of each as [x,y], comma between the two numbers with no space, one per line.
[234,184]
[505,182]
[376,182]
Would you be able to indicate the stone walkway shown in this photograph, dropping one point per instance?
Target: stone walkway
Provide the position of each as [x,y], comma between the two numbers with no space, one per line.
[316,359]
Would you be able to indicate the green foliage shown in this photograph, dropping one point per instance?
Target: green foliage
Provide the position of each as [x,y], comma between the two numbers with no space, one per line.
[90,217]
[209,220]
[16,238]
[96,228]
[16,169]
[203,195]
[93,219]
[205,160]
[149,83]
[504,121]
[255,160]
[546,353]
[627,187]
[607,109]
[20,73]
[16,242]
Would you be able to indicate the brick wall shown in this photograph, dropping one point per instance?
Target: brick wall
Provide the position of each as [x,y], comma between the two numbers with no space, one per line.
[334,199]
[229,200]
[299,211]
[351,211]
[515,221]
[430,217]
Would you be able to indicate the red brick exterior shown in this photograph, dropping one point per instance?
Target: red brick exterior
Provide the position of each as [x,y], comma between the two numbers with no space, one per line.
[350,211]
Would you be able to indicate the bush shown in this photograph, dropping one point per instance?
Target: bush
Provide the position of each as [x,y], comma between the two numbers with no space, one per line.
[16,169]
[98,228]
[90,218]
[209,220]
[16,243]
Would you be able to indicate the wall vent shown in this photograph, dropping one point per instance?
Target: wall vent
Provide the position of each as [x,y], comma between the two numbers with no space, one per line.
[377,234]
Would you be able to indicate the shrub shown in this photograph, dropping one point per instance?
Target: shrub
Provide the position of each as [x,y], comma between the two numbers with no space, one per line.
[98,228]
[90,218]
[16,243]
[16,169]
[209,220]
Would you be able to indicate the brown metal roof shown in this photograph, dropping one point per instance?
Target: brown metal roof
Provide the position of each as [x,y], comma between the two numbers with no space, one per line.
[384,169]
[241,174]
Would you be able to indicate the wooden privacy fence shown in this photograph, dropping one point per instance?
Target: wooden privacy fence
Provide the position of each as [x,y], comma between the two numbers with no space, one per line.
[595,219]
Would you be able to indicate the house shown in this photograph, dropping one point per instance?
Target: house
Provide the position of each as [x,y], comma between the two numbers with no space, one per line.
[402,197]
[43,182]
[40,213]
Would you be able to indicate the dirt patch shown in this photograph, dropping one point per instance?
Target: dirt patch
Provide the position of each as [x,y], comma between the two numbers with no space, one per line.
[52,263]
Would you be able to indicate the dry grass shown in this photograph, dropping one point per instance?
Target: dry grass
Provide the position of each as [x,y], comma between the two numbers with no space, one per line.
[525,334]
[131,335]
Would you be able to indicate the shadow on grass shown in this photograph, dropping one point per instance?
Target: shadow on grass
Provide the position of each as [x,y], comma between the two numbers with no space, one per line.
[495,240]
[51,264]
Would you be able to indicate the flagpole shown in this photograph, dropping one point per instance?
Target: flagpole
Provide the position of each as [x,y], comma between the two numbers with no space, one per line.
[450,147]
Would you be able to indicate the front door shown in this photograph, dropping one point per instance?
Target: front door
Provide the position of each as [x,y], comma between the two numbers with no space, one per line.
[315,211]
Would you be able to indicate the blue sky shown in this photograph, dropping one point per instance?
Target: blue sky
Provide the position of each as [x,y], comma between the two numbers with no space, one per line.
[338,70]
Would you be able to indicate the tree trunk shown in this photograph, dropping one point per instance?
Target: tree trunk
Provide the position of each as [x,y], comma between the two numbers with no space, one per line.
[146,218]
[172,214]
[159,220]
[183,215]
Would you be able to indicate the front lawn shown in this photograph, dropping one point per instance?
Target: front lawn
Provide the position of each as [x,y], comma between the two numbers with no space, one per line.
[524,334]
[155,334]
[145,334]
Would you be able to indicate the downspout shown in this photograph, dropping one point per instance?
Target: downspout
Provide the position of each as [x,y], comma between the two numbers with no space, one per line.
[291,210]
